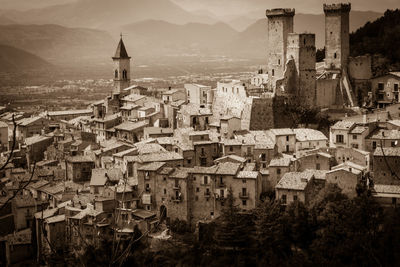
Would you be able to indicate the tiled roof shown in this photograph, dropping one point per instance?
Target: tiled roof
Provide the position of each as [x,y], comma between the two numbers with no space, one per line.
[27,121]
[387,189]
[133,97]
[294,180]
[80,159]
[231,157]
[203,170]
[180,173]
[46,213]
[194,110]
[359,130]
[388,151]
[160,156]
[153,166]
[280,162]
[144,148]
[385,134]
[228,168]
[69,112]
[36,139]
[131,126]
[247,175]
[343,125]
[56,219]
[282,131]
[304,135]
[3,124]
[172,91]
[38,184]
[318,174]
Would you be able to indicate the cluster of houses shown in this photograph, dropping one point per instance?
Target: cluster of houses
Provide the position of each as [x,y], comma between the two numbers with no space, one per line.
[76,177]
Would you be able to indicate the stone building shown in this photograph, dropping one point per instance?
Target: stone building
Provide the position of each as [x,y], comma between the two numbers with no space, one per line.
[122,76]
[79,168]
[386,166]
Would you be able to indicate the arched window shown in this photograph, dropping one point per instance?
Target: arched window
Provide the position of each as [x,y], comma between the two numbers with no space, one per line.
[124,74]
[116,74]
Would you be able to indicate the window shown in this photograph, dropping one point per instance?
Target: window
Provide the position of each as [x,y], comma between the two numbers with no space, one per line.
[222,193]
[244,202]
[231,148]
[287,138]
[263,157]
[165,191]
[394,200]
[354,136]
[116,74]
[295,198]
[189,161]
[203,161]
[244,181]
[373,145]
[283,199]
[287,148]
[197,198]
[279,62]
[393,143]
[244,191]
[278,171]
[318,167]
[335,55]
[197,189]
[205,179]
[202,151]
[396,87]
[381,86]
[273,72]
[339,138]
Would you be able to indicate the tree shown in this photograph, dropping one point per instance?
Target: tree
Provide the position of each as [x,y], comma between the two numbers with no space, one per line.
[271,234]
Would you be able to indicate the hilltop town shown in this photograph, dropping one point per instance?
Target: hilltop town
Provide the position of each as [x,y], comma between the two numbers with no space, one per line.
[135,162]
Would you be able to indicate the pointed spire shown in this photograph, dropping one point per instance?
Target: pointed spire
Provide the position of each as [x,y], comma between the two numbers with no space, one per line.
[121,51]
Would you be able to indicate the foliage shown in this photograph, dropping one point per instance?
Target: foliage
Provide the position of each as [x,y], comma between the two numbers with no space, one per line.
[180,227]
[379,37]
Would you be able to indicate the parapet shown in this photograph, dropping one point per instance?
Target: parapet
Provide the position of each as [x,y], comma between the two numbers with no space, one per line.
[337,8]
[280,12]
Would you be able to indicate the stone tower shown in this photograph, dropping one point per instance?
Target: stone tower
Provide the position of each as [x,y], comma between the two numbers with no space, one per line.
[337,47]
[301,48]
[122,76]
[280,24]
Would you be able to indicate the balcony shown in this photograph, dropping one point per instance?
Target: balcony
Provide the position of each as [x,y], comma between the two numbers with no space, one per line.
[221,184]
[177,199]
[244,196]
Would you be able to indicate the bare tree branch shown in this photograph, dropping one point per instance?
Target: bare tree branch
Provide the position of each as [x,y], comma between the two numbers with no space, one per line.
[13,144]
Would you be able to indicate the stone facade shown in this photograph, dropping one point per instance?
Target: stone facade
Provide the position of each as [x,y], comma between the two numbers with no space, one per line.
[337,48]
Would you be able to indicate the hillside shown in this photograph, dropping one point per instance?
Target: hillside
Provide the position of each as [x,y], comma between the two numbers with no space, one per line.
[381,36]
[59,45]
[154,37]
[14,59]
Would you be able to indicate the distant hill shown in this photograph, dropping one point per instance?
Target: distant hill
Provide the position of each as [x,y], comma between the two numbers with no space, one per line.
[14,59]
[381,36]
[105,14]
[156,37]
[59,45]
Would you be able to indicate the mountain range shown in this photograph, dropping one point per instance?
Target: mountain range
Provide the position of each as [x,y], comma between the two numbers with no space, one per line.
[86,32]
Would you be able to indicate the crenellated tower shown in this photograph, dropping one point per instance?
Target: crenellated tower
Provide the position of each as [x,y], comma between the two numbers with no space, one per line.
[337,47]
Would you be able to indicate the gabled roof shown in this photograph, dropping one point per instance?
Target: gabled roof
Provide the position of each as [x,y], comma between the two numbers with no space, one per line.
[295,180]
[228,168]
[280,162]
[154,166]
[121,51]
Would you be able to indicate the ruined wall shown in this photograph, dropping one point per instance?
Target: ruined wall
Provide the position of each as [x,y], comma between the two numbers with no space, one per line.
[327,92]
[301,48]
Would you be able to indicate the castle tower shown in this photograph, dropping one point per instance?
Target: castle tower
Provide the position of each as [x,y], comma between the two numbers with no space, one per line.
[280,24]
[337,47]
[122,76]
[301,48]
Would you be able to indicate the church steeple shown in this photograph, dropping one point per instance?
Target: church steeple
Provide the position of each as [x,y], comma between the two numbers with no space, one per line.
[121,68]
[121,50]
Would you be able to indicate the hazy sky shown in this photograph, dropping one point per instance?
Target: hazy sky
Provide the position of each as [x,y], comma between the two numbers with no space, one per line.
[228,7]
[225,7]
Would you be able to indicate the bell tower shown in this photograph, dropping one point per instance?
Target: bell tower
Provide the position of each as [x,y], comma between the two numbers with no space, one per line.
[122,70]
